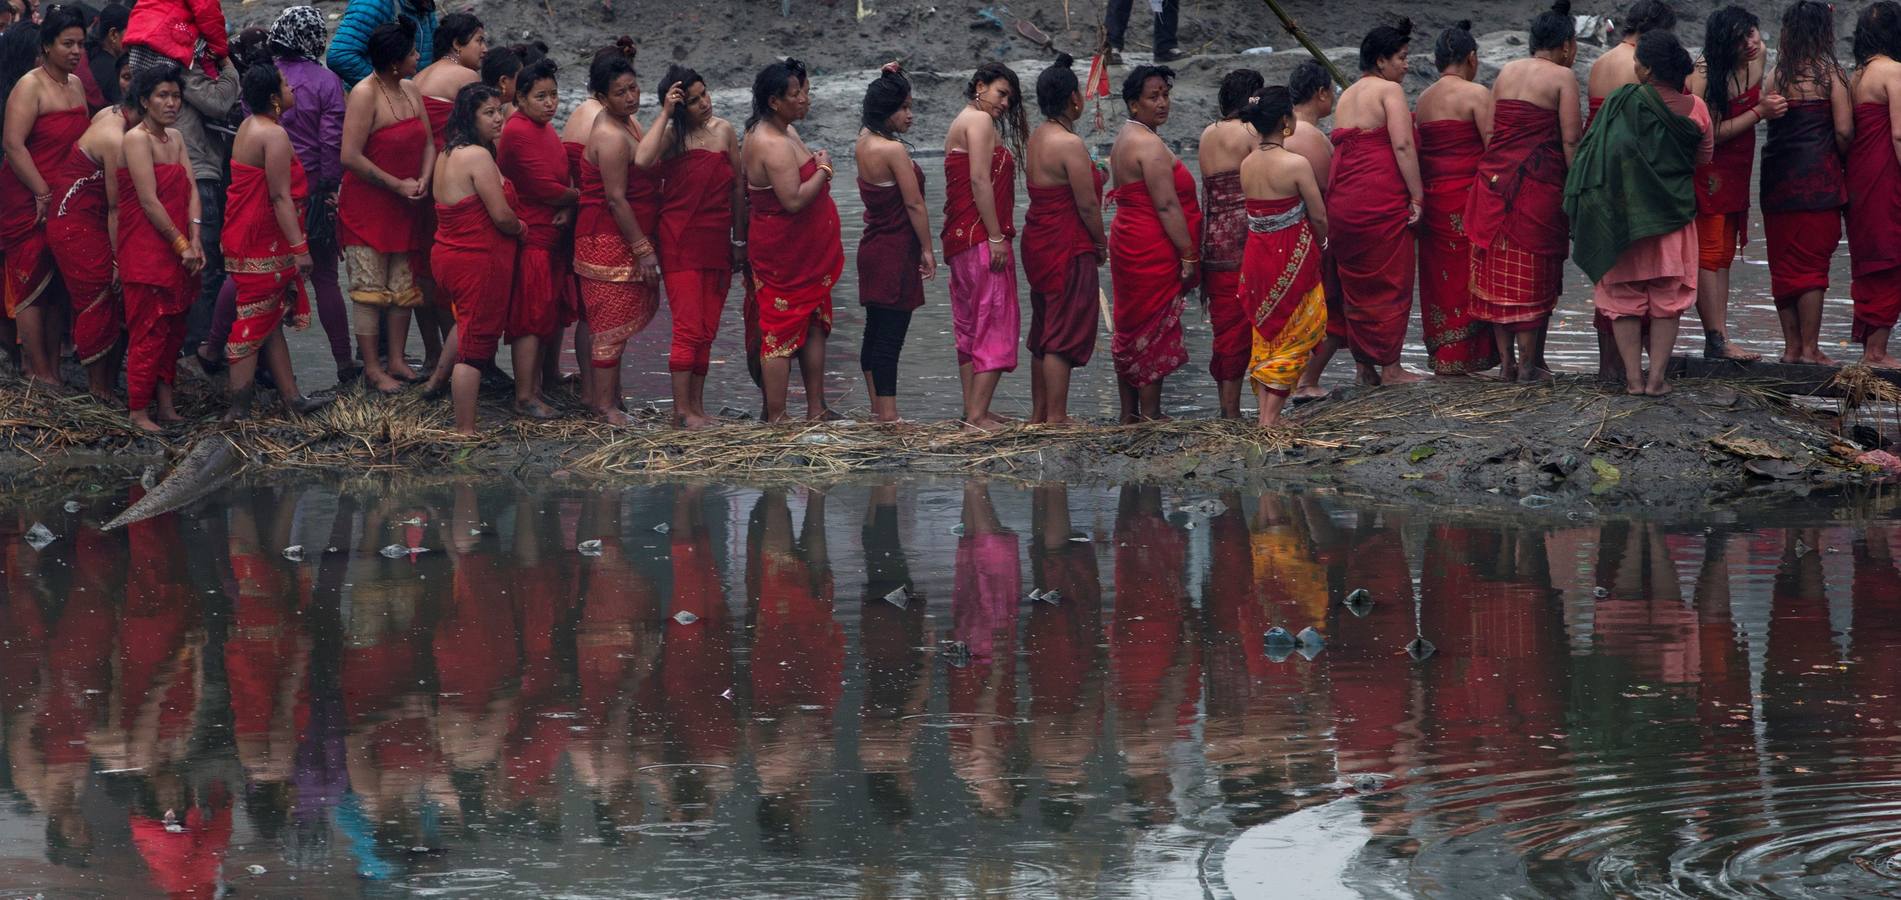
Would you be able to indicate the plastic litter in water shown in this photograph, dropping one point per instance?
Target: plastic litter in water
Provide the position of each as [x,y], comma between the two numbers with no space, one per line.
[1419,648]
[663,528]
[1535,501]
[958,529]
[39,536]
[254,869]
[72,506]
[589,548]
[1257,51]
[294,553]
[1308,638]
[1207,509]
[398,551]
[899,598]
[1359,602]
[685,618]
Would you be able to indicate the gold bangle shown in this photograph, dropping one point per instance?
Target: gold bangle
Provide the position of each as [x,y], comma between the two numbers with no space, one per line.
[829,174]
[180,245]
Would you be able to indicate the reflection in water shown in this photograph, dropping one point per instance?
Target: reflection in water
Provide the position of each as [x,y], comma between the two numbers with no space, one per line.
[1026,691]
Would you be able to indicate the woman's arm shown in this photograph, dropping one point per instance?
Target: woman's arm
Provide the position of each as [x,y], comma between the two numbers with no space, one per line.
[1081,173]
[428,144]
[739,197]
[23,108]
[1570,119]
[611,155]
[109,169]
[653,145]
[980,143]
[1399,130]
[914,206]
[1841,106]
[1316,206]
[1482,116]
[195,256]
[277,158]
[359,114]
[782,169]
[486,178]
[1158,176]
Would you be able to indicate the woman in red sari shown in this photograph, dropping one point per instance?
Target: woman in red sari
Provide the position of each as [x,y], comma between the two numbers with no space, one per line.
[574,134]
[894,250]
[1804,186]
[1874,182]
[1154,246]
[531,157]
[980,163]
[45,113]
[79,228]
[461,43]
[1455,121]
[1730,80]
[158,245]
[1224,145]
[1064,245]
[388,156]
[476,228]
[614,228]
[793,239]
[702,219]
[1373,200]
[1282,296]
[264,249]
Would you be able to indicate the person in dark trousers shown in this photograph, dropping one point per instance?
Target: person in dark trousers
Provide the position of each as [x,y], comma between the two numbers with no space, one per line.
[1166,19]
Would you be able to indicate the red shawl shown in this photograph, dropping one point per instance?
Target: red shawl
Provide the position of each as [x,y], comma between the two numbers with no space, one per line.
[533,159]
[888,249]
[1874,193]
[696,212]
[76,232]
[474,264]
[1226,231]
[29,268]
[796,258]
[963,227]
[368,215]
[1278,268]
[1722,184]
[1366,215]
[1146,272]
[1054,234]
[1520,188]
[1449,153]
[145,255]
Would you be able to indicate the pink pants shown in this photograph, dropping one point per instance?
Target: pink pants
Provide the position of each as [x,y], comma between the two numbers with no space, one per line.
[984,313]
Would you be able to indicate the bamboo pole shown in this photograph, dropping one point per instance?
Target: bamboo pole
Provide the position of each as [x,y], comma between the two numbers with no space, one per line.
[1293,28]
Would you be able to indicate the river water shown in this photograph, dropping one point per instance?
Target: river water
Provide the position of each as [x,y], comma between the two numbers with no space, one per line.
[928,386]
[678,691]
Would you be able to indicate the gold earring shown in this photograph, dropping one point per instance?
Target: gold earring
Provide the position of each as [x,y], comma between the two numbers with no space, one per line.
[1287,132]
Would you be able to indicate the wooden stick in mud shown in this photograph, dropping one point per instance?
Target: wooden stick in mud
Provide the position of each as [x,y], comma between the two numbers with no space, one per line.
[1293,28]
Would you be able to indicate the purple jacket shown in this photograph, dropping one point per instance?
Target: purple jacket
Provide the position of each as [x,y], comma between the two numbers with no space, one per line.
[315,122]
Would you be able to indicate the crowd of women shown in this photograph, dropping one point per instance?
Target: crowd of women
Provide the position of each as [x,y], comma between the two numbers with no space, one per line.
[460,202]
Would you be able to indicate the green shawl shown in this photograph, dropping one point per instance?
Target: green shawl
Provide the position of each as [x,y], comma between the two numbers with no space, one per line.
[1633,178]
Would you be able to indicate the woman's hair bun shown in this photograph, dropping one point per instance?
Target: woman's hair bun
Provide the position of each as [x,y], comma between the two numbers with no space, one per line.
[1463,24]
[1404,27]
[1561,7]
[1064,61]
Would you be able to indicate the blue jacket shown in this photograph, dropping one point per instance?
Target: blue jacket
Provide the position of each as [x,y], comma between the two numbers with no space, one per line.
[347,57]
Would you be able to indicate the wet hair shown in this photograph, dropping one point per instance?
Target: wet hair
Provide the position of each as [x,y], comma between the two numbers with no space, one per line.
[1454,45]
[543,69]
[884,96]
[1383,42]
[1878,31]
[1646,16]
[499,63]
[1237,87]
[1055,85]
[605,71]
[1265,111]
[259,86]
[1664,56]
[1014,123]
[1805,51]
[389,43]
[772,82]
[1307,81]
[454,30]
[1553,28]
[1723,38]
[145,83]
[686,78]
[1138,80]
[57,21]
[460,130]
[622,47]
[531,52]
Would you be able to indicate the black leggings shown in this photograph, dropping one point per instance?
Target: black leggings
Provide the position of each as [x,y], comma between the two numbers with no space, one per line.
[884,340]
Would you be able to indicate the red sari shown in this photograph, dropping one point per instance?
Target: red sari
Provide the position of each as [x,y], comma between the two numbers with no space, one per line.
[1280,291]
[475,266]
[1874,222]
[82,248]
[1515,219]
[1803,191]
[796,258]
[532,158]
[1366,215]
[28,262]
[963,227]
[1457,342]
[368,215]
[1059,260]
[1146,272]
[696,254]
[258,258]
[158,290]
[1224,236]
[889,251]
[617,306]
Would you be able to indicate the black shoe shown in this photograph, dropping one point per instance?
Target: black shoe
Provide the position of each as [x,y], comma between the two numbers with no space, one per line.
[1112,56]
[1172,54]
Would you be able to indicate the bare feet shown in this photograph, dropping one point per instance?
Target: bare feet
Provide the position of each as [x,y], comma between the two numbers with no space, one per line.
[1662,389]
[383,383]
[1818,358]
[1311,392]
[694,422]
[1790,357]
[1716,345]
[169,416]
[827,415]
[1063,420]
[401,371]
[435,388]
[1533,374]
[979,427]
[144,421]
[996,421]
[535,409]
[613,416]
[1884,361]
[1397,374]
[1366,375]
[108,397]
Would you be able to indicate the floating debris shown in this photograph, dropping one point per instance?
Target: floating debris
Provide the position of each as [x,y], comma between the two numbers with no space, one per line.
[1420,648]
[254,869]
[294,553]
[663,528]
[39,536]
[1359,602]
[1277,644]
[412,520]
[900,597]
[1369,782]
[958,529]
[589,548]
[1080,539]
[1310,642]
[398,551]
[685,618]
[1051,597]
[956,653]
[72,506]
[1600,592]
[1206,509]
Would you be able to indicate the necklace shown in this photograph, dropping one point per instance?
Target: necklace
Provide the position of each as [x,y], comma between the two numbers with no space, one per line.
[158,134]
[1144,125]
[389,98]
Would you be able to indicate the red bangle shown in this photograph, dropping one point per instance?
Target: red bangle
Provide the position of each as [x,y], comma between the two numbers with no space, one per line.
[300,248]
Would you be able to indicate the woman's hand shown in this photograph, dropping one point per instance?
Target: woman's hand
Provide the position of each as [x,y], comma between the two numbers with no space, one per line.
[1413,212]
[304,263]
[675,97]
[999,256]
[194,258]
[1772,106]
[927,265]
[824,160]
[647,268]
[1190,266]
[410,188]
